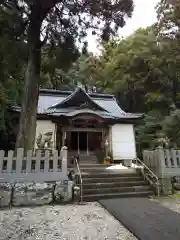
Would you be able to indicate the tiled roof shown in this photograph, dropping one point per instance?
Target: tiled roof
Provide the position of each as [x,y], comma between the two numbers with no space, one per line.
[50,98]
[106,101]
[46,101]
[75,112]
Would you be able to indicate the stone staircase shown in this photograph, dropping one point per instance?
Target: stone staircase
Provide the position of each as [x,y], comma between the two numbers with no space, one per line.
[102,183]
[90,159]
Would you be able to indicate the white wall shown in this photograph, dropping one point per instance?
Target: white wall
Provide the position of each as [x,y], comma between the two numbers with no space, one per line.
[123,141]
[44,126]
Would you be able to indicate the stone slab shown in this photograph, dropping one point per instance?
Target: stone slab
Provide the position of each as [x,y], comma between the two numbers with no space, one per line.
[5,194]
[26,194]
[63,191]
[32,194]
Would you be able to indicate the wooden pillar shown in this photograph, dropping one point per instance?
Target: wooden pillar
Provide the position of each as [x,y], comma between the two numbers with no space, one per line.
[87,144]
[78,142]
[64,135]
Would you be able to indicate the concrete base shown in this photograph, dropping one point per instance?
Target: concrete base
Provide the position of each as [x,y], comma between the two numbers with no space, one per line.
[27,194]
[5,194]
[32,194]
[63,191]
[166,185]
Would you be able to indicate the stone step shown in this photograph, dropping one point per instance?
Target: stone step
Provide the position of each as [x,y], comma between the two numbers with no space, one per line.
[111,179]
[102,167]
[107,174]
[83,159]
[100,183]
[88,159]
[104,174]
[92,170]
[100,190]
[89,163]
[90,166]
[114,184]
[96,197]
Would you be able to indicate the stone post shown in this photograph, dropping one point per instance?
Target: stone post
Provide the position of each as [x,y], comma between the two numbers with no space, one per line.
[64,160]
[165,181]
[160,161]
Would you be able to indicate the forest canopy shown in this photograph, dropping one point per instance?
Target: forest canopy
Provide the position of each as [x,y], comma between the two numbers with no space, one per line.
[142,70]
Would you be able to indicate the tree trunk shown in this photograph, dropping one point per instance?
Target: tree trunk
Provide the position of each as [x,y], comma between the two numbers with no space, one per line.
[27,124]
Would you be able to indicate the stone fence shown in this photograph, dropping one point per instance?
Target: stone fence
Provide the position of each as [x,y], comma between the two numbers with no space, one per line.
[165,163]
[20,168]
[33,179]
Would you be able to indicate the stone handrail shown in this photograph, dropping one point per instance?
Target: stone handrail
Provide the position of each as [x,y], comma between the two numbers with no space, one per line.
[153,175]
[80,176]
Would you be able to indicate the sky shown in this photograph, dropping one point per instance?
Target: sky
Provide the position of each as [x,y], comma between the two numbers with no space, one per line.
[144,15]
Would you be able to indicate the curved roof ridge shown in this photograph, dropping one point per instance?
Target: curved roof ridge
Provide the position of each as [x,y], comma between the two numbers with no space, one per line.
[127,113]
[44,91]
[122,111]
[78,89]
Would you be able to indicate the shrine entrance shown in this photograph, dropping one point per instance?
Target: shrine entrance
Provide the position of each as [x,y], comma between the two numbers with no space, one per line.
[84,135]
[84,140]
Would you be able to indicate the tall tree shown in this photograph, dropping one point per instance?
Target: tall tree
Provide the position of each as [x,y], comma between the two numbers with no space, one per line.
[13,59]
[56,59]
[168,33]
[132,69]
[86,71]
[49,17]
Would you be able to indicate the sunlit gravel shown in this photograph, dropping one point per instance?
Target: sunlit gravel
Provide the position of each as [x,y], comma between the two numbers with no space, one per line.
[68,222]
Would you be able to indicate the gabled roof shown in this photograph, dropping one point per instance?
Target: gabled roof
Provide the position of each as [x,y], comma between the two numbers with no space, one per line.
[77,99]
[62,103]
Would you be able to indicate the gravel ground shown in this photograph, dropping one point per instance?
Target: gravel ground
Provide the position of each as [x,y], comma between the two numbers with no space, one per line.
[172,203]
[68,222]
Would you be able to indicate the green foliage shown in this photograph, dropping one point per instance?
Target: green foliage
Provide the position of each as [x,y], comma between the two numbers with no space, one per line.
[142,70]
[171,127]
[87,71]
[12,67]
[144,75]
[149,131]
[56,61]
[132,68]
[61,24]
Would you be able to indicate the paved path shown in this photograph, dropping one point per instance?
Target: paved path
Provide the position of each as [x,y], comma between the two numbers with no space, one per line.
[146,219]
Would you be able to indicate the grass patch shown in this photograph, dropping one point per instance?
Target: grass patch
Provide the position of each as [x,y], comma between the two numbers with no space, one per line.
[175,195]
